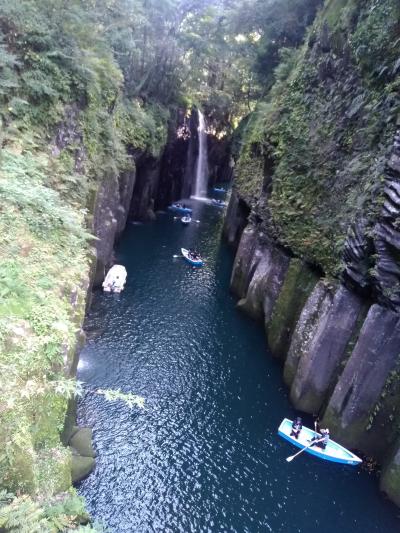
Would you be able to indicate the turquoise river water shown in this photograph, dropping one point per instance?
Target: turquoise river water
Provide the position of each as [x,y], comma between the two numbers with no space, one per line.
[204,455]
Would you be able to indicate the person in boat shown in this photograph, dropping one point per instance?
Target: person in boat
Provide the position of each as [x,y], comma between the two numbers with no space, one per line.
[322,441]
[296,427]
[194,255]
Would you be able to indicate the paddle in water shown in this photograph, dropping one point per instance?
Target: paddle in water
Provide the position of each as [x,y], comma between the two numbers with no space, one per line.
[289,459]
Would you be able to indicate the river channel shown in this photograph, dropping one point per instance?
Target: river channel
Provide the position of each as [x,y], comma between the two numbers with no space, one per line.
[204,455]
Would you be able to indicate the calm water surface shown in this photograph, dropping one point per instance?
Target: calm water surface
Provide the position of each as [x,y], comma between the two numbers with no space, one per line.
[204,455]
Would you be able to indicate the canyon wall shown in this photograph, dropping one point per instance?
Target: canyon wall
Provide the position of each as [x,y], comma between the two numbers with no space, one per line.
[314,215]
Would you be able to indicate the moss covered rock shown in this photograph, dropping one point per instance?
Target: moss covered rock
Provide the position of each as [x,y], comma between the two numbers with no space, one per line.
[81,441]
[81,467]
[297,286]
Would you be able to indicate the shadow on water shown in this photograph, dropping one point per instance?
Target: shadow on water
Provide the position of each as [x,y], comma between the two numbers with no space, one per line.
[204,454]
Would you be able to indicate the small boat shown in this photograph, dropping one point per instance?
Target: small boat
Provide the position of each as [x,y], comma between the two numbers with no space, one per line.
[180,208]
[219,189]
[115,279]
[333,452]
[218,203]
[187,219]
[193,261]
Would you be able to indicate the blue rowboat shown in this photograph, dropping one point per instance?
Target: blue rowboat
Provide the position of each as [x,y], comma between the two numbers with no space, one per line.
[219,189]
[194,262]
[187,219]
[218,203]
[333,452]
[179,208]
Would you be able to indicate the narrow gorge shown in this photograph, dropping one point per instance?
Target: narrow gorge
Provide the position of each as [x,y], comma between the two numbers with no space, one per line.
[158,409]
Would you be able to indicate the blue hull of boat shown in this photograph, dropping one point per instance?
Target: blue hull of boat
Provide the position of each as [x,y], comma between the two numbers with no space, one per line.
[334,452]
[180,209]
[195,264]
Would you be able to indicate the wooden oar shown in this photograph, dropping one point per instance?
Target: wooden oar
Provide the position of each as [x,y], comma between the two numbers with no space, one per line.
[288,459]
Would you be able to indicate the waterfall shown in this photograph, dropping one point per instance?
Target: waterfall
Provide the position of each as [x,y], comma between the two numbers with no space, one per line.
[202,160]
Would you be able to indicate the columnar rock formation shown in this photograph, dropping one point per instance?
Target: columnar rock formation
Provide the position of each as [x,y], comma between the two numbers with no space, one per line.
[317,189]
[339,341]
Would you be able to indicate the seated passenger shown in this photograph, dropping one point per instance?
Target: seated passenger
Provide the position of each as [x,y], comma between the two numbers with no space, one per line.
[296,428]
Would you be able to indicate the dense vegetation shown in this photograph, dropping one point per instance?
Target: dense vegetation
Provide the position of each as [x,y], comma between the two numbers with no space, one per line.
[86,84]
[317,144]
[83,85]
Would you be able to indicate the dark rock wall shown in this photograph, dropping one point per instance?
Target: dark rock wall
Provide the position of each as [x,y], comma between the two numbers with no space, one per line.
[147,176]
[220,161]
[340,350]
[319,173]
[177,166]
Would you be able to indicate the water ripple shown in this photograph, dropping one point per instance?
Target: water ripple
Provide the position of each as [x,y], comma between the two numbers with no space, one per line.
[204,455]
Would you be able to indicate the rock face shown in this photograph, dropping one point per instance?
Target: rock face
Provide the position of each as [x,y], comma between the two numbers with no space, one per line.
[266,274]
[220,162]
[177,167]
[109,219]
[318,169]
[320,364]
[378,244]
[363,379]
[298,284]
[147,175]
[244,262]
[236,219]
[390,476]
[315,307]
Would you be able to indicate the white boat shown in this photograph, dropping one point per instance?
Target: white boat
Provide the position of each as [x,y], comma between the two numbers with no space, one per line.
[115,279]
[333,452]
[187,219]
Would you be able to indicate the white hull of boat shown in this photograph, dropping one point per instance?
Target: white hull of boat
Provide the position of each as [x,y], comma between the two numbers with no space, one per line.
[115,279]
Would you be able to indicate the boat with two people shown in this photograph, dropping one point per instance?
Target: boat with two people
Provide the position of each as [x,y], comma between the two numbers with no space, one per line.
[308,440]
[115,279]
[218,203]
[186,220]
[180,208]
[192,257]
[219,189]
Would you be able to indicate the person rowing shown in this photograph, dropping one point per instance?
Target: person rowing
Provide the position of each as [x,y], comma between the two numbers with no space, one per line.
[194,255]
[321,440]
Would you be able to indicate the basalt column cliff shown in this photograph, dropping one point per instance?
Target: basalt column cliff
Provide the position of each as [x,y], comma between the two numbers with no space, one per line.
[315,215]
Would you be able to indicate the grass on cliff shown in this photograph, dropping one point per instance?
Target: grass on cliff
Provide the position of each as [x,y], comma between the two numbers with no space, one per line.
[65,512]
[43,264]
[323,134]
[66,128]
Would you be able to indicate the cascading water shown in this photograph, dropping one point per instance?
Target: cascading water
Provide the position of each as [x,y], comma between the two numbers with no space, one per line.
[201,183]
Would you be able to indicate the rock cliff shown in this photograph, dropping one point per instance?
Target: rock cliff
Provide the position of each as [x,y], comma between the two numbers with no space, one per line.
[314,215]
